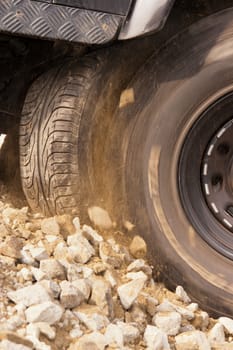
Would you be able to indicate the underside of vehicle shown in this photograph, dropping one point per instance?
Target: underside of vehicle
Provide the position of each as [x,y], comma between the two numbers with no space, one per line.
[127,106]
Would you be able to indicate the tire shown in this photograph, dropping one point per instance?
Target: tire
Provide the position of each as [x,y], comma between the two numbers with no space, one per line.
[65,108]
[49,134]
[171,92]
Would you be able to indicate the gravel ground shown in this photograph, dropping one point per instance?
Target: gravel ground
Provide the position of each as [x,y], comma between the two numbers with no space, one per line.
[67,286]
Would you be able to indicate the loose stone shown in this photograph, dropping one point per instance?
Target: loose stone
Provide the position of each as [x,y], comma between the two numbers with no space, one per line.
[216,334]
[92,235]
[102,297]
[70,296]
[30,295]
[138,247]
[91,317]
[192,340]
[53,269]
[100,217]
[94,340]
[114,335]
[168,322]
[50,226]
[156,339]
[48,312]
[227,323]
[80,249]
[130,332]
[109,256]
[182,295]
[129,292]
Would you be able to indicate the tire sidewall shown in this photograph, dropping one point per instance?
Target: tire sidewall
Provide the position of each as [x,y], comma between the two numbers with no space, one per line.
[155,144]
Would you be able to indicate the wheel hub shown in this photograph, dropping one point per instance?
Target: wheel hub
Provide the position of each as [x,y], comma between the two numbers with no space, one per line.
[205,175]
[217,175]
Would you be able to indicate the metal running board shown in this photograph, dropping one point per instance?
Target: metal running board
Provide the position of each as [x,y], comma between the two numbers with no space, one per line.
[56,22]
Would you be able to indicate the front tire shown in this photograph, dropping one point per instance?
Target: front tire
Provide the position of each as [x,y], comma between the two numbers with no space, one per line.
[172,93]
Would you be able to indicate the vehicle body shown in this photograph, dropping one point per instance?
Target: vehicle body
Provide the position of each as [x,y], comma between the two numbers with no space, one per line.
[141,128]
[88,22]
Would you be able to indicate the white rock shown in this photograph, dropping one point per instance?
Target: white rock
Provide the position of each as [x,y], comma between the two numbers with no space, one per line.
[155,339]
[100,217]
[92,235]
[151,305]
[21,332]
[25,273]
[53,269]
[187,328]
[182,295]
[15,322]
[87,272]
[52,288]
[139,317]
[26,257]
[76,332]
[109,256]
[129,292]
[14,217]
[192,340]
[139,265]
[80,249]
[102,297]
[61,251]
[167,306]
[76,223]
[168,322]
[39,253]
[114,335]
[51,238]
[189,315]
[70,296]
[92,318]
[94,340]
[216,334]
[84,287]
[38,274]
[130,332]
[136,265]
[30,295]
[20,308]
[110,276]
[205,319]
[48,312]
[33,331]
[227,323]
[77,239]
[136,275]
[138,247]
[192,307]
[74,272]
[50,226]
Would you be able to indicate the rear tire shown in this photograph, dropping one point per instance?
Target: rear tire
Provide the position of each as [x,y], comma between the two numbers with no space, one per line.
[49,136]
[65,123]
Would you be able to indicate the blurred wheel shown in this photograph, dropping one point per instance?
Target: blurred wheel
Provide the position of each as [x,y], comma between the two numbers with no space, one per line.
[178,160]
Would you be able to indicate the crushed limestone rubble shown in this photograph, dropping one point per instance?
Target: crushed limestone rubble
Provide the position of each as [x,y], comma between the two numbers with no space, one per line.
[64,286]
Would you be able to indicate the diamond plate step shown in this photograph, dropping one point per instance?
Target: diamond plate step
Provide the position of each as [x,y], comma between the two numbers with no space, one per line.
[54,22]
